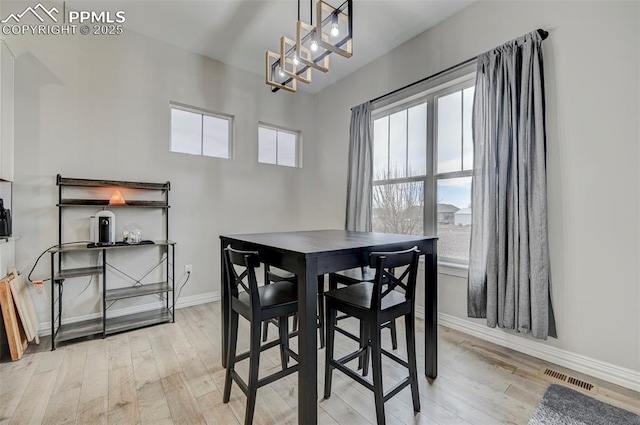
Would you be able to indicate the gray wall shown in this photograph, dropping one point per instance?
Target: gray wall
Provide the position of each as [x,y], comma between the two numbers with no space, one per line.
[592,87]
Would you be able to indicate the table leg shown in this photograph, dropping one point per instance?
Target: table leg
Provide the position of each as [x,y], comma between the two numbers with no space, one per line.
[307,344]
[431,315]
[225,306]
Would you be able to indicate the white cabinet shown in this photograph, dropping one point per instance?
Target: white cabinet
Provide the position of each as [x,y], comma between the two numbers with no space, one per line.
[6,112]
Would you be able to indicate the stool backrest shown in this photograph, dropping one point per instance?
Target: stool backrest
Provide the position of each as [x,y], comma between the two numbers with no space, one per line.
[385,263]
[241,271]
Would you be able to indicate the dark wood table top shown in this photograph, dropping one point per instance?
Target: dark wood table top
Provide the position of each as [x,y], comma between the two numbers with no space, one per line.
[317,242]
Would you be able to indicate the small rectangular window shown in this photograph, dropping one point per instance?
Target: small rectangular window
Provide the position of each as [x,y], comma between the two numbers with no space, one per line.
[200,133]
[278,146]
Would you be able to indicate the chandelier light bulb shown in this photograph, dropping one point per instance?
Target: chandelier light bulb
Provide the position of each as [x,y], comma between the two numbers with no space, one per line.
[280,72]
[314,45]
[334,30]
[295,60]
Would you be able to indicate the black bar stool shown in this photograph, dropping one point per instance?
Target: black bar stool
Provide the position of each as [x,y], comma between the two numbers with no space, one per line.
[278,275]
[257,305]
[352,277]
[374,305]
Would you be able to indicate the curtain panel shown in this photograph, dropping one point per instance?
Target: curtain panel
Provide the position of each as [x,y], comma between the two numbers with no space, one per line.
[360,178]
[509,271]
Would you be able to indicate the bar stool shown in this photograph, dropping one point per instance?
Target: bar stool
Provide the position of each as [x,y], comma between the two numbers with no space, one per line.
[374,305]
[352,277]
[278,275]
[257,304]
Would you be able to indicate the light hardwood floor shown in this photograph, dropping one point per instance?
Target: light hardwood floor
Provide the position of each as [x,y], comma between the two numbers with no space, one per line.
[172,374]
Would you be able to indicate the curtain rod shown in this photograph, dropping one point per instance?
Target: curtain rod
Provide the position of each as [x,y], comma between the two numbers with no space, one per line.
[543,34]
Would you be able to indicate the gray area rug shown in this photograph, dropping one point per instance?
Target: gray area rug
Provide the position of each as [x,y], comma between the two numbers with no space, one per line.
[564,406]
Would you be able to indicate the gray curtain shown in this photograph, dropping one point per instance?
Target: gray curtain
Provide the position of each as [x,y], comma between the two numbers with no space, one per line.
[509,273]
[359,188]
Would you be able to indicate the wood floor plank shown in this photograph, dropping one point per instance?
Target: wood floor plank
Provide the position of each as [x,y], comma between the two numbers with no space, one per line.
[94,401]
[153,406]
[214,411]
[163,353]
[74,360]
[33,405]
[119,352]
[123,400]
[145,369]
[208,354]
[194,370]
[14,383]
[93,412]
[63,406]
[182,403]
[342,412]
[50,360]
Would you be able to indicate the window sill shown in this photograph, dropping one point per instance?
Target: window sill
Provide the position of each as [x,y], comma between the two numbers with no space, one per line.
[449,268]
[453,269]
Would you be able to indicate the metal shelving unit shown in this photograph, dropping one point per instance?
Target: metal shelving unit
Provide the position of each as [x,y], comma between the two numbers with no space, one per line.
[104,325]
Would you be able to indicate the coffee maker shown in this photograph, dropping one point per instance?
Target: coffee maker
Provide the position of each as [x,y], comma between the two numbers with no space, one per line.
[103,228]
[5,220]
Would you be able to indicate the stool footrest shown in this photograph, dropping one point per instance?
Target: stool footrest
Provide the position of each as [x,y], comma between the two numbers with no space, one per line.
[395,358]
[347,334]
[274,377]
[263,347]
[397,388]
[352,356]
[354,375]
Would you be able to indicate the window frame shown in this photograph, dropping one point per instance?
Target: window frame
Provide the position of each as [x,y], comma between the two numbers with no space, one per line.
[431,177]
[278,129]
[204,112]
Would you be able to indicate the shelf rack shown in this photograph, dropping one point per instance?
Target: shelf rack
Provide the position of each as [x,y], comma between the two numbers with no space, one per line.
[103,326]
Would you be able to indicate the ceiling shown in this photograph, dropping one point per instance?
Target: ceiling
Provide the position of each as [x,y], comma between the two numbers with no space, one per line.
[238,32]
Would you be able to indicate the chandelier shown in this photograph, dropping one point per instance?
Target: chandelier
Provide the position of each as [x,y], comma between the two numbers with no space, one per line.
[312,46]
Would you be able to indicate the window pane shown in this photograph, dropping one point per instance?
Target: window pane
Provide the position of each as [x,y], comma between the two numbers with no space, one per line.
[381,148]
[467,114]
[398,144]
[186,132]
[215,137]
[450,132]
[287,149]
[417,140]
[266,145]
[454,218]
[398,208]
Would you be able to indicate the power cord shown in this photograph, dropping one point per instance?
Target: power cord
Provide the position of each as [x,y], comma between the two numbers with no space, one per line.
[182,286]
[44,252]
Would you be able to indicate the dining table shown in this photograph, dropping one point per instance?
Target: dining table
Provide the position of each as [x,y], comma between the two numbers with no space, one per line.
[309,254]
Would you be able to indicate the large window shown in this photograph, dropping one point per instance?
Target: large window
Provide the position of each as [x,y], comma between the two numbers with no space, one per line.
[423,161]
[200,133]
[278,146]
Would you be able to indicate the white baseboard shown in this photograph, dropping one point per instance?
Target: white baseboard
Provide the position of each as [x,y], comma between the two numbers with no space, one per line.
[606,371]
[208,297]
[45,327]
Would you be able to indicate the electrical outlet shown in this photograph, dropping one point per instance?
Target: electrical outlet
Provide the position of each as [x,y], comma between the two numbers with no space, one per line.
[188,268]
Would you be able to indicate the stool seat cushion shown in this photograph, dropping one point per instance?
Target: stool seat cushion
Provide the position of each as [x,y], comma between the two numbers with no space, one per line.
[275,294]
